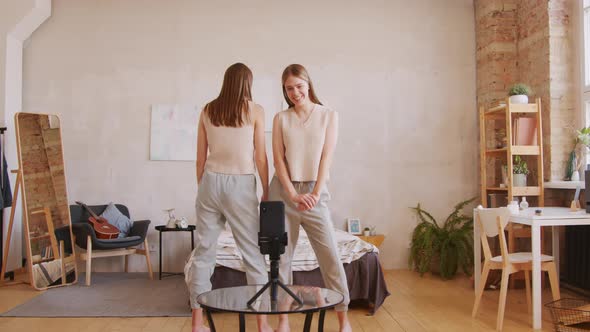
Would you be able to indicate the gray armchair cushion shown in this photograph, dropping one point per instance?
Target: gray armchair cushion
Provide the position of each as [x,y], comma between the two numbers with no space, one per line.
[117,219]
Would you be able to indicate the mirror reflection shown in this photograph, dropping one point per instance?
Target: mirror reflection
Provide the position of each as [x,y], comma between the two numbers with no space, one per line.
[46,215]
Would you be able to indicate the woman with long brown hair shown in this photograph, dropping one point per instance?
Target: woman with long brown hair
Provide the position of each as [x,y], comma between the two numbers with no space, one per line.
[230,147]
[303,142]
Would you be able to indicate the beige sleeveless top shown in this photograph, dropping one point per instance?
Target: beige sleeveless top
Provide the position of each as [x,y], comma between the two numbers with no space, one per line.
[231,150]
[304,141]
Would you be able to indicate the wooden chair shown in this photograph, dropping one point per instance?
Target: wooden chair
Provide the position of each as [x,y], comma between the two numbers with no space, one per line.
[492,223]
[517,232]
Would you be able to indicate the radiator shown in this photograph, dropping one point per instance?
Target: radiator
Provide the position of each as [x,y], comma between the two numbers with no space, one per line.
[577,256]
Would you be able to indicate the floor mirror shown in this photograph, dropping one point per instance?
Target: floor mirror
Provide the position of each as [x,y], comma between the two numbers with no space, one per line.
[48,236]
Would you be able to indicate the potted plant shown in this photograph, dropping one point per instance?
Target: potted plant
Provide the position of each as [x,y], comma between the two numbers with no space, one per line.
[580,149]
[444,247]
[520,170]
[367,231]
[519,93]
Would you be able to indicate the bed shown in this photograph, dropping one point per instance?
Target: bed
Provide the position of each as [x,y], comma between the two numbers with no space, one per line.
[366,283]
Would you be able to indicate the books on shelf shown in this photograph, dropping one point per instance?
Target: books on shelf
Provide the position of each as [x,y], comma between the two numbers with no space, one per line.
[47,252]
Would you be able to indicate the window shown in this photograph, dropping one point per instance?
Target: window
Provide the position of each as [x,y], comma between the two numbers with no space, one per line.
[585,59]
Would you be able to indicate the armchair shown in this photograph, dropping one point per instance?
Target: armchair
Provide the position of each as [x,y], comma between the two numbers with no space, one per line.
[93,247]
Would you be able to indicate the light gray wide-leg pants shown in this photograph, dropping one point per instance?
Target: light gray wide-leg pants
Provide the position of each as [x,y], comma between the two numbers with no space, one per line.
[317,223]
[224,197]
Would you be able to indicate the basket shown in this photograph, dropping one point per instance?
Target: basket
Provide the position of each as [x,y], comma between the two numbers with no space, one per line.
[570,315]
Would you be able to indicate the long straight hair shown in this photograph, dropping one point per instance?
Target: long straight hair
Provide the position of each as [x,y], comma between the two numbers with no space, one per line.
[229,108]
[298,71]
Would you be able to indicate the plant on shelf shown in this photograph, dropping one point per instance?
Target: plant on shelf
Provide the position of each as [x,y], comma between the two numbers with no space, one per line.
[445,247]
[520,170]
[519,93]
[500,138]
[581,147]
[577,157]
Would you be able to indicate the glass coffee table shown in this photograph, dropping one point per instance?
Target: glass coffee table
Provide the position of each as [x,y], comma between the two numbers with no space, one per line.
[235,299]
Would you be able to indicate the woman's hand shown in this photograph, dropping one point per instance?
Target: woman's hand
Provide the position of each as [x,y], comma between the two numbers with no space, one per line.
[306,202]
[302,201]
[264,196]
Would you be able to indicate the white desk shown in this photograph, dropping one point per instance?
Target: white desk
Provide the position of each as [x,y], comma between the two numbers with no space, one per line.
[550,216]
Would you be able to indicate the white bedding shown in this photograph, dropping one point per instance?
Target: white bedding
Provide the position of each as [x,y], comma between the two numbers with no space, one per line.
[350,248]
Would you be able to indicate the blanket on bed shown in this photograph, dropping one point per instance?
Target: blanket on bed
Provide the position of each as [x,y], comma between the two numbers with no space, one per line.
[350,248]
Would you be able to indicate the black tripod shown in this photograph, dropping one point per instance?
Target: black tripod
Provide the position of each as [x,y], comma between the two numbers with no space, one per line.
[274,246]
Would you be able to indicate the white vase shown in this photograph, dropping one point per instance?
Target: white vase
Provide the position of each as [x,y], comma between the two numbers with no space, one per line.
[519,99]
[513,207]
[519,180]
[576,176]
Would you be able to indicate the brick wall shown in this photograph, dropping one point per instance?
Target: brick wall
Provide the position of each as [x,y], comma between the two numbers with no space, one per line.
[563,87]
[496,51]
[533,63]
[530,41]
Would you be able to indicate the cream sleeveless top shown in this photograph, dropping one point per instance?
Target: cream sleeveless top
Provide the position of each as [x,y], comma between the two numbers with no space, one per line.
[231,150]
[304,141]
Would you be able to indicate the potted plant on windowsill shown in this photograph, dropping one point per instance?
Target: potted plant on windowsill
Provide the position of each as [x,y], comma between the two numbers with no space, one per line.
[520,170]
[444,247]
[581,150]
[519,93]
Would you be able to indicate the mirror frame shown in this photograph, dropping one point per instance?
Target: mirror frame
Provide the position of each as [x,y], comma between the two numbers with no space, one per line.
[25,211]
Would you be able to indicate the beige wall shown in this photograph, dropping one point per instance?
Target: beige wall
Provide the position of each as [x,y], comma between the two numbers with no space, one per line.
[401,74]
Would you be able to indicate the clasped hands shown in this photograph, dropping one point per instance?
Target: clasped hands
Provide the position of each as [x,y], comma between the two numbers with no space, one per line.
[305,202]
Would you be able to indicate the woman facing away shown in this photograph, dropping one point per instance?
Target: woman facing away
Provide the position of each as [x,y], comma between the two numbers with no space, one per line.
[303,142]
[231,129]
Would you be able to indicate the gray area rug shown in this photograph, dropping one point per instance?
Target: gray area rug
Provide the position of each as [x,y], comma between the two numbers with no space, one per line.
[111,295]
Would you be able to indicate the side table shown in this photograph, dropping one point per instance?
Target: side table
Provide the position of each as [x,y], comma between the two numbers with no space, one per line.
[161,229]
[375,240]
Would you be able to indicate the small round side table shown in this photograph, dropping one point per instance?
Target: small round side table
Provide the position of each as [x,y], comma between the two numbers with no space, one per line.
[161,229]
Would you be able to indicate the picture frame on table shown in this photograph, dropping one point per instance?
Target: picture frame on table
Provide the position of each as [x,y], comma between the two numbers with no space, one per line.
[354,226]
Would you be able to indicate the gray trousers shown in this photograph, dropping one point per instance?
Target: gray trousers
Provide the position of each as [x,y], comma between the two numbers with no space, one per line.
[317,223]
[222,198]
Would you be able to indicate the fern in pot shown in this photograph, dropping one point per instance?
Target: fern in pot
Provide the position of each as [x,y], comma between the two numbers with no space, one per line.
[520,170]
[519,93]
[445,246]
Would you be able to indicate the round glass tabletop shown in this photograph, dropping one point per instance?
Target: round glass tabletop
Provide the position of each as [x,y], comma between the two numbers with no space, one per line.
[235,299]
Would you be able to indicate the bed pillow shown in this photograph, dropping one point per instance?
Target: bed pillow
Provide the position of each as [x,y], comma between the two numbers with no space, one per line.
[117,219]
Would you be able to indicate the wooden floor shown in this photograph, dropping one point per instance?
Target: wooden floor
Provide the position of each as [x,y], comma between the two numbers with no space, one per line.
[416,305]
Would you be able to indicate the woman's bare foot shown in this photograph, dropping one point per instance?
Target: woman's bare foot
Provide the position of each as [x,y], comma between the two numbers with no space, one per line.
[346,327]
[343,320]
[283,324]
[263,324]
[198,325]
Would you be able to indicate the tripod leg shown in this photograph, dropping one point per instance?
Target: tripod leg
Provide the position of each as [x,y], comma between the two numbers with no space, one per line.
[286,289]
[258,293]
[308,319]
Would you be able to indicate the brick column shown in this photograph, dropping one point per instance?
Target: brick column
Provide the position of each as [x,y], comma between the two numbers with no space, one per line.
[496,51]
